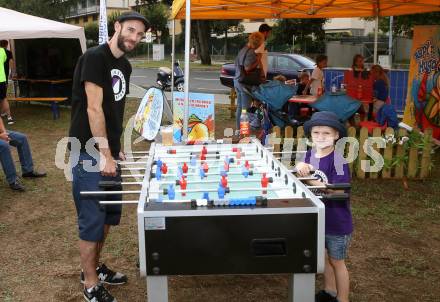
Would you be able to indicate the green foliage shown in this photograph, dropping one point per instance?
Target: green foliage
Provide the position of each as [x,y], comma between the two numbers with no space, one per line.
[412,140]
[309,35]
[111,19]
[157,14]
[51,9]
[403,25]
[91,32]
[219,27]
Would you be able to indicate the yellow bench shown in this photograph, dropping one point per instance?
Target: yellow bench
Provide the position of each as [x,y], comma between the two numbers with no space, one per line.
[54,100]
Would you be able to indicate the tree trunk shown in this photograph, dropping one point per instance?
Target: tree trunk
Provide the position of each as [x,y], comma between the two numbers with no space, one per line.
[194,35]
[226,44]
[204,33]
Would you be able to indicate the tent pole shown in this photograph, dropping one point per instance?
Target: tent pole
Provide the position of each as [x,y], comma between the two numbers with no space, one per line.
[376,30]
[173,49]
[390,43]
[187,42]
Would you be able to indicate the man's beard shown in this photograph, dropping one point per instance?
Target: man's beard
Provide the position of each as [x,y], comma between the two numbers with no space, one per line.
[121,44]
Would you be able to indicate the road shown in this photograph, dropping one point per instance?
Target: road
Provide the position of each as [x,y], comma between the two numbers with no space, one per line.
[200,81]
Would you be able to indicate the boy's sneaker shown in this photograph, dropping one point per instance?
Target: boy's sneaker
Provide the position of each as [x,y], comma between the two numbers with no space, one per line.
[10,120]
[4,114]
[98,294]
[107,276]
[323,296]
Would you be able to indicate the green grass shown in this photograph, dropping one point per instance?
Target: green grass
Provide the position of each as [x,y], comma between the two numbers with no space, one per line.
[393,257]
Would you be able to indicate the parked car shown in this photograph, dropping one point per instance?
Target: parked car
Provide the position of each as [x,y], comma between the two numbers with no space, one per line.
[289,65]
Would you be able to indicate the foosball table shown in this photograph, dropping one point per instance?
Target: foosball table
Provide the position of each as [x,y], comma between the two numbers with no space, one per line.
[218,209]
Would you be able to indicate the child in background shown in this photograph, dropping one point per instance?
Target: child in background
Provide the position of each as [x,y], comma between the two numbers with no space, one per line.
[304,80]
[385,113]
[316,83]
[294,108]
[329,167]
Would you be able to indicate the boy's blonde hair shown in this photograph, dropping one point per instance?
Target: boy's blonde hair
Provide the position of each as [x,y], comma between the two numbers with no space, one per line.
[256,39]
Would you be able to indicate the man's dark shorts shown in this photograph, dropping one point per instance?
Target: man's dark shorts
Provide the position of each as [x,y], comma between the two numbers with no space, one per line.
[92,216]
[3,88]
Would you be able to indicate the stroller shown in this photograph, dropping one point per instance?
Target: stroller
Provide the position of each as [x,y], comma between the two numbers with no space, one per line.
[273,96]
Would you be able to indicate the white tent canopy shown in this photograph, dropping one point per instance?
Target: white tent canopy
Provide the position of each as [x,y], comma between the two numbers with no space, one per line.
[15,25]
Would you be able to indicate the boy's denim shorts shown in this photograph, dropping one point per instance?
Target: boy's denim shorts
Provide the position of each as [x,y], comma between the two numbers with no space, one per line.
[337,246]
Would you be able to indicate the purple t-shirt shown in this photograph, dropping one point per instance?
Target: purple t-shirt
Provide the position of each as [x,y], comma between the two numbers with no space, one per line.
[333,169]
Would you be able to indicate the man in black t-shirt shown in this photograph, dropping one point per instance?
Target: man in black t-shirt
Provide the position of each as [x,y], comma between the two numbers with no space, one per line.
[4,104]
[100,84]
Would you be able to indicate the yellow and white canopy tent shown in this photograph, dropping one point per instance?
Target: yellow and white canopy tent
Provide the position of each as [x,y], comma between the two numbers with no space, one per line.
[286,9]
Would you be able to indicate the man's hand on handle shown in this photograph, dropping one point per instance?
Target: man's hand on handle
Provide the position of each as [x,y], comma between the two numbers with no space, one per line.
[108,165]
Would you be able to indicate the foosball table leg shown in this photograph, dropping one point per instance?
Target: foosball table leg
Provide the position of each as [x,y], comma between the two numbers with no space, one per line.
[157,288]
[301,288]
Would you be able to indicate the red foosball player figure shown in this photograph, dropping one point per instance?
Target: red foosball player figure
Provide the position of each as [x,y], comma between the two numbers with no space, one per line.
[264,183]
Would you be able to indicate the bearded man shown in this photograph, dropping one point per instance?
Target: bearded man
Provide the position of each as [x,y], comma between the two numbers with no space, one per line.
[100,84]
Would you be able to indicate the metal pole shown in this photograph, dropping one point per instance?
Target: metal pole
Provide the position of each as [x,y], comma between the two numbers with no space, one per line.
[187,42]
[376,30]
[293,43]
[390,43]
[173,46]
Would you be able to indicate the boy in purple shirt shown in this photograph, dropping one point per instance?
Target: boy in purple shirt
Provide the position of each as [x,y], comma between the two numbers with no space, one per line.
[328,167]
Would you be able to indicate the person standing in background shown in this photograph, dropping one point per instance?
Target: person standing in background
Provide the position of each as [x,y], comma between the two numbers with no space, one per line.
[7,65]
[316,83]
[250,61]
[266,31]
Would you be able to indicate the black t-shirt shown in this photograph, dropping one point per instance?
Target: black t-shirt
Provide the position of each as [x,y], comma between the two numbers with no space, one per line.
[99,66]
[6,64]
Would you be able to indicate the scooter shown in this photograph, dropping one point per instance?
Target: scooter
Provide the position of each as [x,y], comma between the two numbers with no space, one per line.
[164,77]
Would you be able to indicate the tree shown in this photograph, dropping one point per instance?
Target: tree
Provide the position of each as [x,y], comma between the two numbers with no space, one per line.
[111,19]
[308,33]
[157,14]
[204,37]
[222,27]
[51,9]
[91,31]
[403,25]
[201,35]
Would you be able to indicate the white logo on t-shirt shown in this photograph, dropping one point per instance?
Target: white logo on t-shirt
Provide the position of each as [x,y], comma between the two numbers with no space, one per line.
[118,84]
[320,176]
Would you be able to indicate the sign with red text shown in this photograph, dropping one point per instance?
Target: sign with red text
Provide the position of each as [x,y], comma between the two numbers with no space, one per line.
[200,117]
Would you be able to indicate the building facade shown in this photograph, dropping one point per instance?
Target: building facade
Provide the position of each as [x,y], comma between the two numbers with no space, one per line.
[87,11]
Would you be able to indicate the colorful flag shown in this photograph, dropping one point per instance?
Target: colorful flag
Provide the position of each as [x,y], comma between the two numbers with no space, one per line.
[103,32]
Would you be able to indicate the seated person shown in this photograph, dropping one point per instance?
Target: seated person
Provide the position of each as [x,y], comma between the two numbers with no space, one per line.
[18,140]
[385,114]
[358,67]
[304,78]
[294,108]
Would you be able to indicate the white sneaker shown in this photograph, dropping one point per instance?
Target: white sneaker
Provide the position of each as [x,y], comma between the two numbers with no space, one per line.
[11,121]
